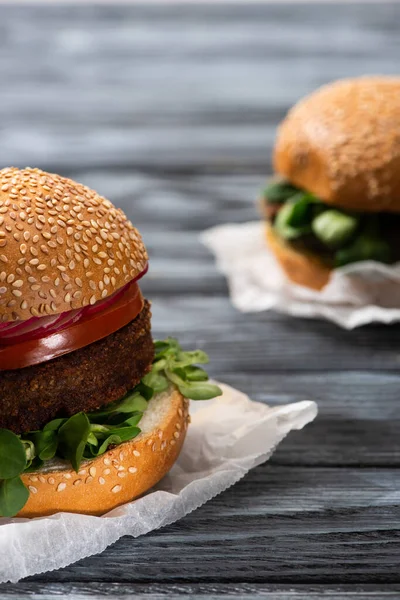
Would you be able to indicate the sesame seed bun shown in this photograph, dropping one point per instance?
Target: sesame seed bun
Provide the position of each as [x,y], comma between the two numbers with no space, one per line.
[62,246]
[342,143]
[119,475]
[299,267]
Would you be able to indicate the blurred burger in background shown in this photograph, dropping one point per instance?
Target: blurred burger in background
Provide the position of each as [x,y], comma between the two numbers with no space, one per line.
[336,196]
[92,412]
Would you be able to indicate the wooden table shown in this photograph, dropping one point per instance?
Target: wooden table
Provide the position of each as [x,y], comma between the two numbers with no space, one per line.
[171,113]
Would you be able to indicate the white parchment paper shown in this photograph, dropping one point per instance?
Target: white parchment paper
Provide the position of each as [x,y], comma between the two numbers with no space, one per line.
[228,436]
[357,294]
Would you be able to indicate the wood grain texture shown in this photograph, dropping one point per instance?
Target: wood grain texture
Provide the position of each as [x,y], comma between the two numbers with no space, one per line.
[199,591]
[171,111]
[181,88]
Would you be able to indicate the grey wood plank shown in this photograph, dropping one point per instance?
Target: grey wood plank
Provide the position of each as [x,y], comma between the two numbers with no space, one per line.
[358,420]
[278,525]
[154,591]
[269,342]
[171,112]
[205,86]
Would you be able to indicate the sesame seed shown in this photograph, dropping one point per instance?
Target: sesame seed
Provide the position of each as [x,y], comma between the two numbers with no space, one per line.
[77,482]
[176,435]
[61,486]
[102,480]
[38,206]
[88,479]
[32,489]
[51,480]
[121,474]
[116,489]
[136,453]
[92,471]
[132,470]
[106,471]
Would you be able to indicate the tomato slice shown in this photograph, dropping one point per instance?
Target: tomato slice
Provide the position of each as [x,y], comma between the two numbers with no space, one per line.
[92,327]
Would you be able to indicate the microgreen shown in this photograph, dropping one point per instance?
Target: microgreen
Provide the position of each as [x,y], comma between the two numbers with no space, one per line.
[334,228]
[13,496]
[346,237]
[12,455]
[72,439]
[295,217]
[364,247]
[84,436]
[279,191]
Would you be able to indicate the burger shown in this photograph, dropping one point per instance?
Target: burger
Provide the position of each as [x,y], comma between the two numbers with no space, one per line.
[93,413]
[336,198]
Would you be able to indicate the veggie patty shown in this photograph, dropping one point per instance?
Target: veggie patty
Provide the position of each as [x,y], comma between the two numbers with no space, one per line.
[83,380]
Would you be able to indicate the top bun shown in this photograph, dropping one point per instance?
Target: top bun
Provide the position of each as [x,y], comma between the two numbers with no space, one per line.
[62,246]
[343,144]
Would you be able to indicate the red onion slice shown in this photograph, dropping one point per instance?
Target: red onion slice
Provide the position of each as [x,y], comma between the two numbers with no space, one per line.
[37,327]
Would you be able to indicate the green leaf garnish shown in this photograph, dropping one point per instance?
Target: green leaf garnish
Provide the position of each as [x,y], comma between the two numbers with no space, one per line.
[13,496]
[72,439]
[278,192]
[156,381]
[195,390]
[45,443]
[55,424]
[295,217]
[12,455]
[341,238]
[364,247]
[87,435]
[112,439]
[195,374]
[132,403]
[334,228]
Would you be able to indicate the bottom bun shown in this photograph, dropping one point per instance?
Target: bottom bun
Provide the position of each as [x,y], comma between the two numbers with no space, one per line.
[121,474]
[301,268]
